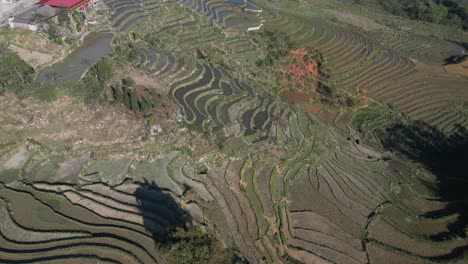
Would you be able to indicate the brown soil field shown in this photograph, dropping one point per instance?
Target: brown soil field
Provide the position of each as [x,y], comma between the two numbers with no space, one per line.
[385,233]
[460,68]
[427,68]
[377,255]
[314,108]
[36,59]
[303,255]
[294,97]
[423,205]
[328,116]
[417,226]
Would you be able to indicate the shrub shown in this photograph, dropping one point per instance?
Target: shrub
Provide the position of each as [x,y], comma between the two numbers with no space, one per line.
[277,45]
[58,40]
[195,247]
[324,90]
[104,70]
[133,101]
[63,17]
[184,150]
[45,92]
[52,32]
[128,82]
[451,12]
[436,13]
[15,74]
[79,19]
[69,40]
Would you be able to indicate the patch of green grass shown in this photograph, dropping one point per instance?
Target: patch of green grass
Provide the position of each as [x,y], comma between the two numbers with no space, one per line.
[362,117]
[8,176]
[370,113]
[185,150]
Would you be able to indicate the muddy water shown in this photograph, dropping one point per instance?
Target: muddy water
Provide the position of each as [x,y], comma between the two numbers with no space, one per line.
[95,46]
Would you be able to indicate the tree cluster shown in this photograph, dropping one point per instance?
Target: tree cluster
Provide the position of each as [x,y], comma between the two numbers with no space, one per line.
[277,45]
[194,246]
[126,93]
[14,72]
[453,12]
[79,18]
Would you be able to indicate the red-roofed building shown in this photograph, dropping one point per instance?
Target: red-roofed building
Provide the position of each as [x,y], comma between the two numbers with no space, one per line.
[69,4]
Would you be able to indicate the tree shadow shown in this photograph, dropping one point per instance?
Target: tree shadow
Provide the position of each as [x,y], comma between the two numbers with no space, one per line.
[174,232]
[447,158]
[455,59]
[161,213]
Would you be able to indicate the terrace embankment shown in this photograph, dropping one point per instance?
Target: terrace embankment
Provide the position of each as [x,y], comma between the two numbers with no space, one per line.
[331,185]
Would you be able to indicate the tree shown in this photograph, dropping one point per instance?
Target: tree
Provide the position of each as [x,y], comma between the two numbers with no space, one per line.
[104,71]
[14,71]
[63,17]
[134,105]
[36,18]
[436,13]
[79,19]
[117,93]
[53,33]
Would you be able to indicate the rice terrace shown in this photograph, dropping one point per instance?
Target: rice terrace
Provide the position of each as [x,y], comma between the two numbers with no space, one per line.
[234,131]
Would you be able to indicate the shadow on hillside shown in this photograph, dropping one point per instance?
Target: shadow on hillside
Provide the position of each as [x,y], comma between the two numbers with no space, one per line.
[174,233]
[161,212]
[447,158]
[454,59]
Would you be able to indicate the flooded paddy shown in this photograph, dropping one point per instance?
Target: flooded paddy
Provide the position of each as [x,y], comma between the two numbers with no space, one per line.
[95,46]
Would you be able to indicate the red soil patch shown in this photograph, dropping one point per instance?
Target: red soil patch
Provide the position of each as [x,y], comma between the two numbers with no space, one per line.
[294,98]
[304,71]
[314,108]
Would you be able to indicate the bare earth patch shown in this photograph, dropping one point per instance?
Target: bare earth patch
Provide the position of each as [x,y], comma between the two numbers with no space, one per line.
[66,122]
[294,98]
[34,58]
[460,68]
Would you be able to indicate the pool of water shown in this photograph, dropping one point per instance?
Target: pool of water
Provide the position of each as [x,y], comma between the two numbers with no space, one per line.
[95,46]
[243,3]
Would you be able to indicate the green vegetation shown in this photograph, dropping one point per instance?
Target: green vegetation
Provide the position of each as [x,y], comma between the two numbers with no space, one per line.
[260,172]
[372,112]
[127,94]
[63,17]
[15,73]
[69,40]
[451,12]
[53,33]
[78,18]
[93,84]
[185,150]
[17,76]
[196,247]
[276,45]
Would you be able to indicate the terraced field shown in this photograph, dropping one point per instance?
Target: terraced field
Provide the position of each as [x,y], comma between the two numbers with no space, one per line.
[277,182]
[384,66]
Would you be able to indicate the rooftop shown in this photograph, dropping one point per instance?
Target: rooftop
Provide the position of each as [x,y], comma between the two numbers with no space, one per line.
[61,3]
